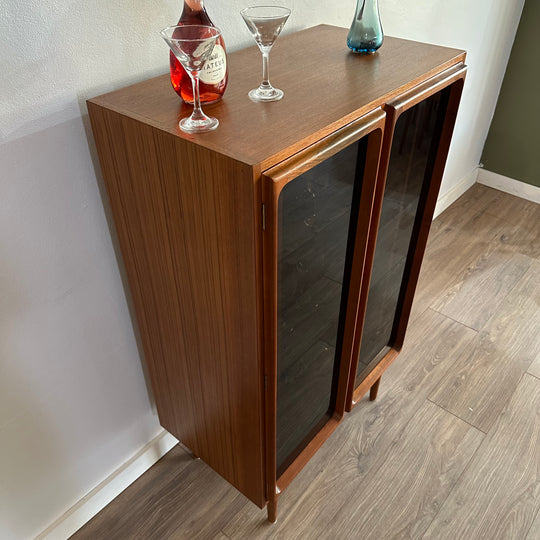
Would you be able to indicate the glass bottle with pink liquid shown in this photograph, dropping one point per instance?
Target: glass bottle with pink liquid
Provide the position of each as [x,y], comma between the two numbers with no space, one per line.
[214,76]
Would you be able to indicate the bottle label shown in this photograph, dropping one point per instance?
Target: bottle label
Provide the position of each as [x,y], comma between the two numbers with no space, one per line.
[215,68]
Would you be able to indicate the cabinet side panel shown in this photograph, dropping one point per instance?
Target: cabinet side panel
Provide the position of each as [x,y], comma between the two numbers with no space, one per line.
[186,225]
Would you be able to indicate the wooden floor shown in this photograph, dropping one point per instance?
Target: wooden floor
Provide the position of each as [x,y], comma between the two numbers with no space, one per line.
[451,447]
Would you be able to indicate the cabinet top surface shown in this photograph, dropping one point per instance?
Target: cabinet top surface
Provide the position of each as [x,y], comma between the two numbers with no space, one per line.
[326,86]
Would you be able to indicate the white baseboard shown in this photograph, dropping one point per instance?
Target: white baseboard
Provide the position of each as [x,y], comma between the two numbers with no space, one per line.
[113,485]
[509,185]
[452,195]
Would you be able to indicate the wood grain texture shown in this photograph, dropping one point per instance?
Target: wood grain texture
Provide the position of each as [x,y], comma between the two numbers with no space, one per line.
[485,377]
[418,473]
[406,483]
[499,493]
[534,531]
[426,348]
[186,226]
[524,236]
[358,84]
[479,234]
[168,504]
[218,536]
[476,200]
[520,213]
[480,290]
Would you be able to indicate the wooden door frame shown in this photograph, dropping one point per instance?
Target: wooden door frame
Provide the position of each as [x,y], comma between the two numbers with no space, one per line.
[454,78]
[273,181]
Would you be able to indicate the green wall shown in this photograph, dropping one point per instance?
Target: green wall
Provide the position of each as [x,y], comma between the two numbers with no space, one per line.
[513,144]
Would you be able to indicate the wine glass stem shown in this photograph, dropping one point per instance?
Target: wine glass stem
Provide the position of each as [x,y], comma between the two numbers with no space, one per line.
[197,113]
[266,69]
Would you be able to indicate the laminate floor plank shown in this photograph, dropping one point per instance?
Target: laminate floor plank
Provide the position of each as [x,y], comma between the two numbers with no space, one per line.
[523,215]
[476,199]
[534,336]
[180,535]
[482,214]
[220,536]
[475,294]
[534,531]
[464,239]
[398,493]
[430,349]
[526,219]
[484,377]
[498,496]
[514,209]
[170,501]
[400,499]
[452,250]
[476,297]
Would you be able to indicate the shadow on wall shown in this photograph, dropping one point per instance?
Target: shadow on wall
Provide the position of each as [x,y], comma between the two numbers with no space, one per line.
[73,404]
[24,419]
[116,244]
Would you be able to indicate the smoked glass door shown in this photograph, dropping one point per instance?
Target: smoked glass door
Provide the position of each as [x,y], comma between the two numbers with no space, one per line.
[317,214]
[415,158]
[318,210]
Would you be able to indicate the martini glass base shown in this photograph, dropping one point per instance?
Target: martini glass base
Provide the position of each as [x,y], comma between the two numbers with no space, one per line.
[265,94]
[198,126]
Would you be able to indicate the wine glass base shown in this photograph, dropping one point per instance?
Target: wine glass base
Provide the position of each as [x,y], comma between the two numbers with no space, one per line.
[198,126]
[272,94]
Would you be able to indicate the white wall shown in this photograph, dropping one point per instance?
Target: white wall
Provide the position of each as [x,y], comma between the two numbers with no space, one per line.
[486,30]
[74,403]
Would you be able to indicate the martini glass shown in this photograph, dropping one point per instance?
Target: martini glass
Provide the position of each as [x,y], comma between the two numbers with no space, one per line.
[193,44]
[265,24]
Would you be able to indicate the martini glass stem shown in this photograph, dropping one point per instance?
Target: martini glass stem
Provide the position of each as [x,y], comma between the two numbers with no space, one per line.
[197,114]
[265,84]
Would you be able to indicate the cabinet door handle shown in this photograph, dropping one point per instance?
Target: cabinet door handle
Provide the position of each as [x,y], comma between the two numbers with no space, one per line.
[431,86]
[316,153]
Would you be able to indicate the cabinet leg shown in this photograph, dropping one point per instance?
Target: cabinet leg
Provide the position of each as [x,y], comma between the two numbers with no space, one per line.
[272,510]
[374,390]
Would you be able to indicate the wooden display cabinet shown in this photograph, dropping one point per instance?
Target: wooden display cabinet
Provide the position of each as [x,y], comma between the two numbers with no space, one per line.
[272,263]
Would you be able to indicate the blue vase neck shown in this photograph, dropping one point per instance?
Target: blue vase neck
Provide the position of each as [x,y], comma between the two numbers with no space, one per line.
[366,7]
[366,33]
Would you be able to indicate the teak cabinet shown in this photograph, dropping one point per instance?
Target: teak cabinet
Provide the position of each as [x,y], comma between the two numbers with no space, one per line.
[273,262]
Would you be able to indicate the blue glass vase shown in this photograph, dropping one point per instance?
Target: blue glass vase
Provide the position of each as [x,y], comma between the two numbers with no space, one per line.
[366,33]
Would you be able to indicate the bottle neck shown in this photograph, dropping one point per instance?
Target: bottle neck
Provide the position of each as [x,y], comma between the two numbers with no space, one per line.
[193,5]
[195,13]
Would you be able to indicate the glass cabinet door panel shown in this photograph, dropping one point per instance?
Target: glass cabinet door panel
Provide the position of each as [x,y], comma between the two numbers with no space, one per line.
[416,138]
[317,216]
